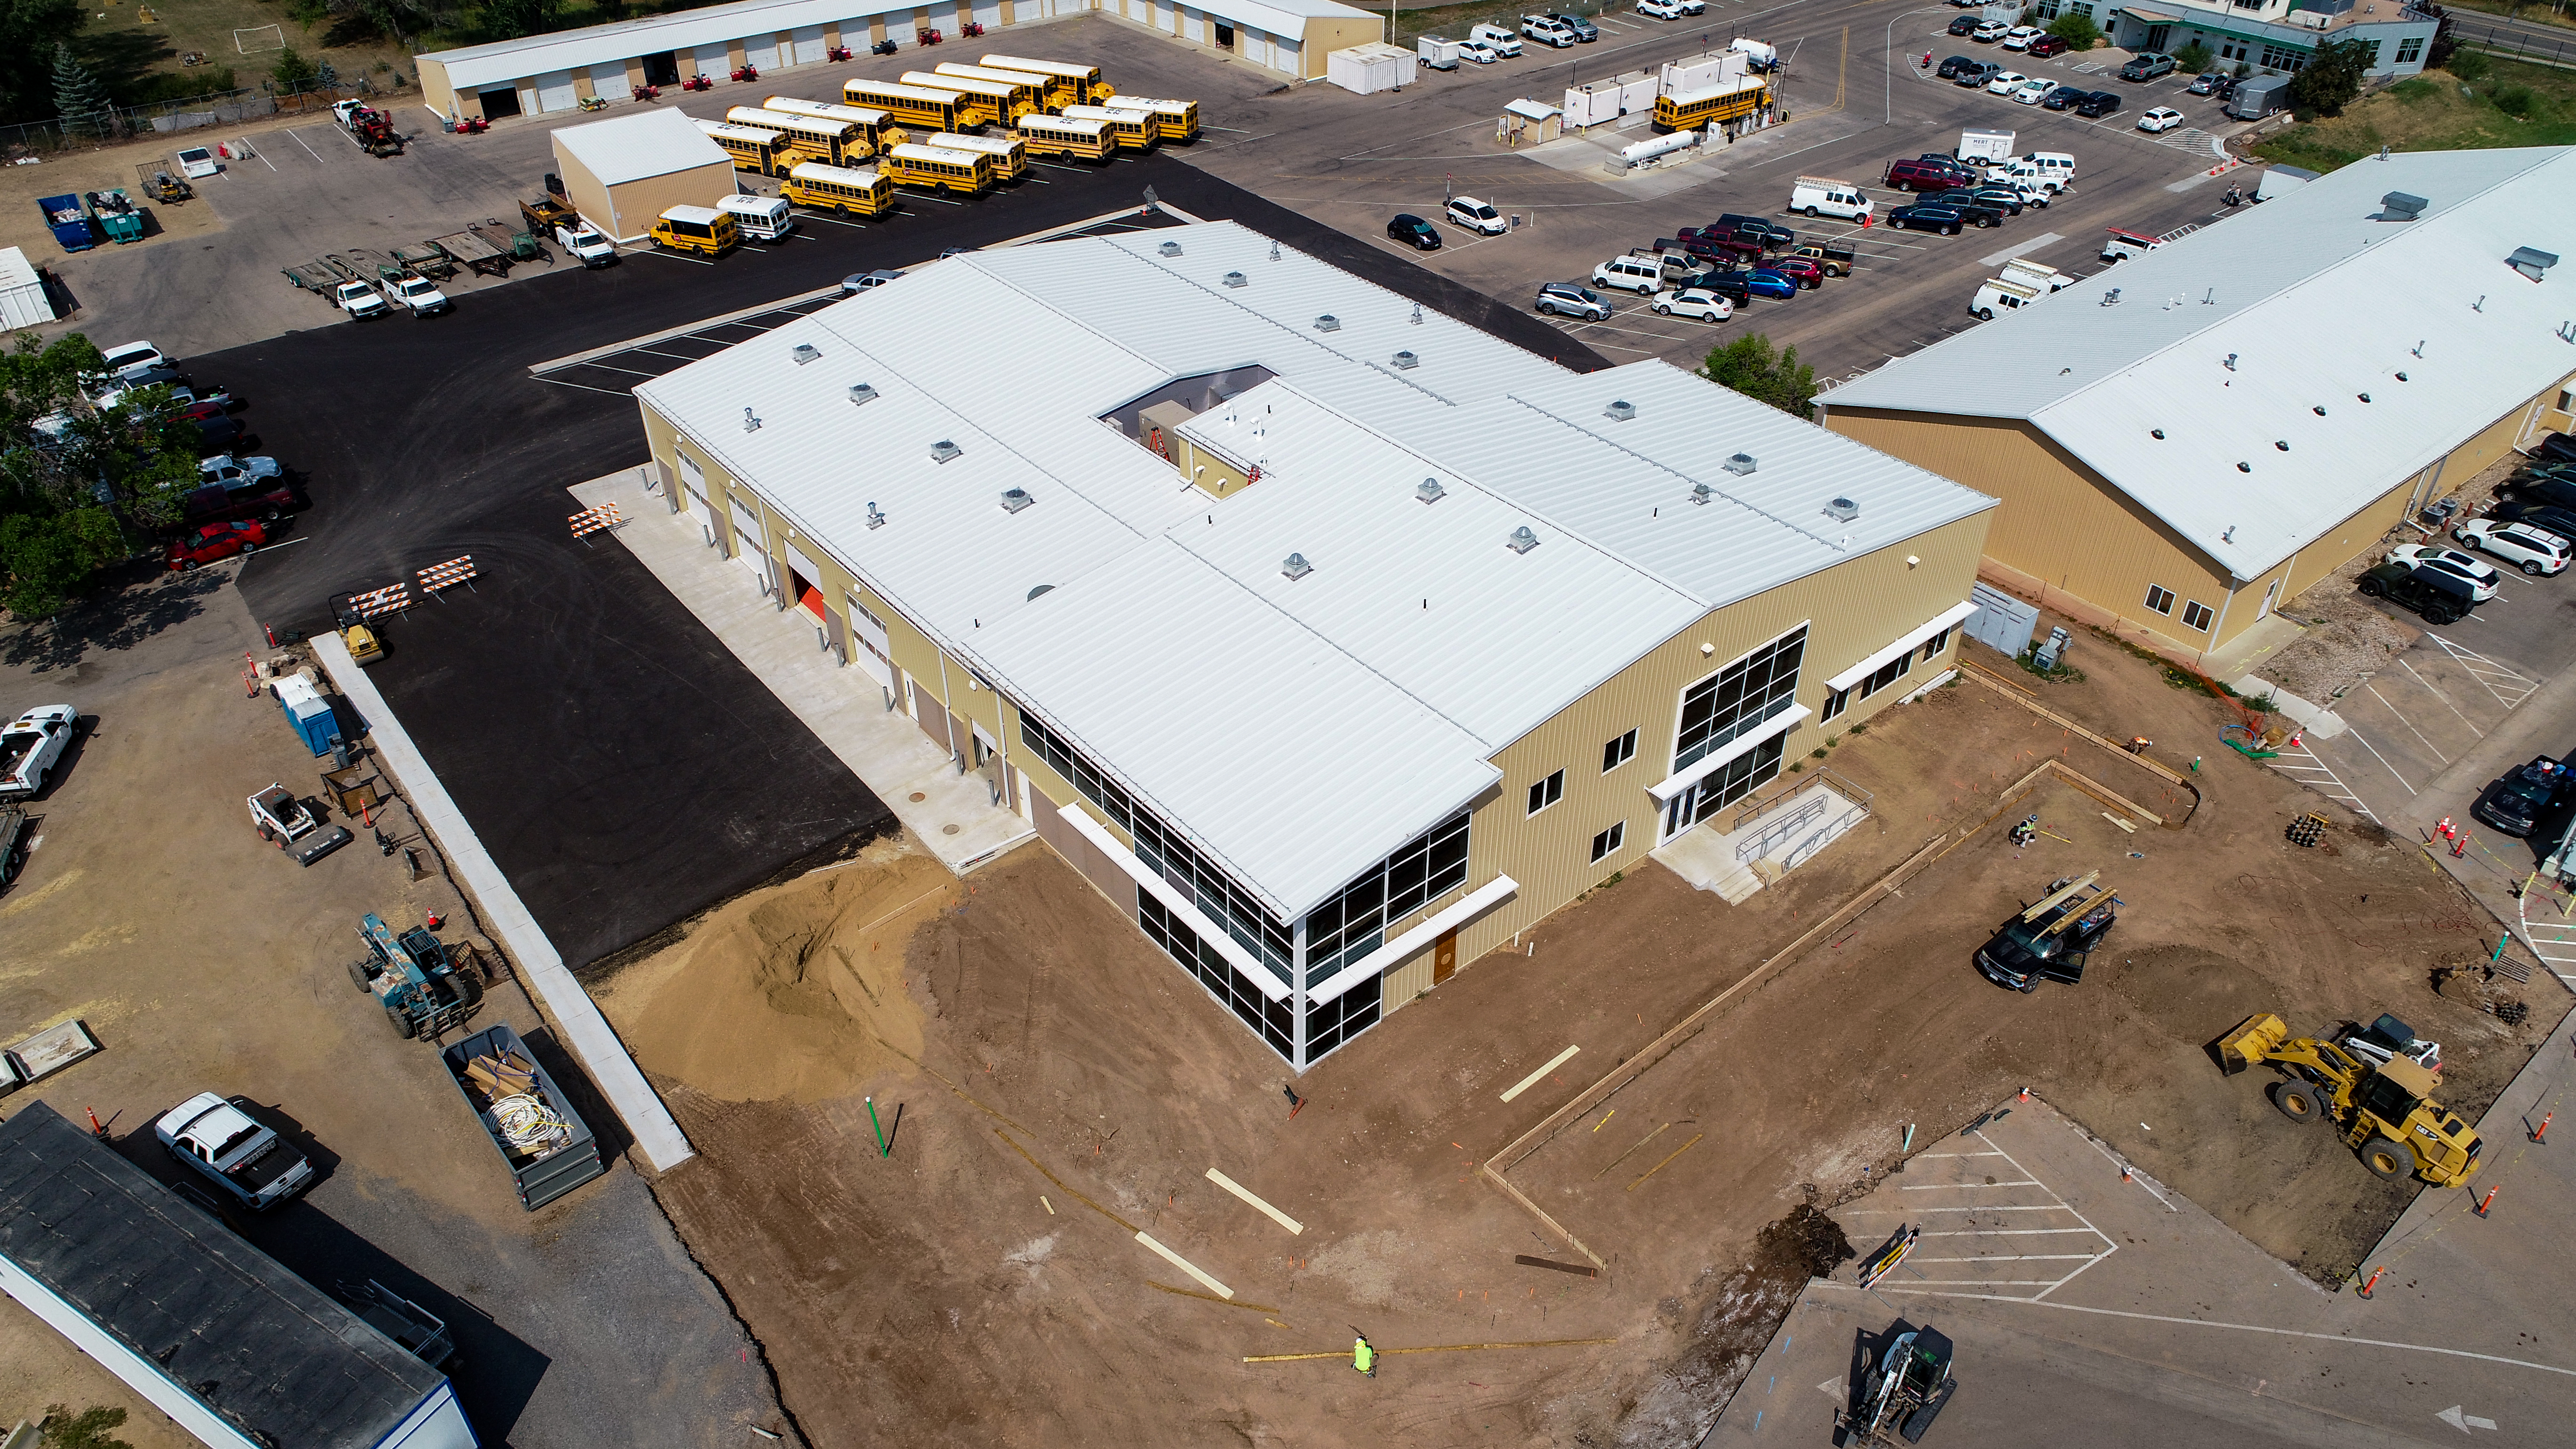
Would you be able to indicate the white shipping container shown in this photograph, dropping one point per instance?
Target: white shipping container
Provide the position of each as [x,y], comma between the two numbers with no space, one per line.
[1368,69]
[22,293]
[1700,72]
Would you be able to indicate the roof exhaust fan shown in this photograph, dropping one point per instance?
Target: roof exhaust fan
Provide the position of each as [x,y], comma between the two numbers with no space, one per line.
[805,352]
[861,392]
[1169,249]
[2531,261]
[1015,499]
[1842,509]
[2398,206]
[1328,323]
[1430,491]
[1740,464]
[1236,279]
[1406,360]
[1620,412]
[1295,566]
[1522,540]
[943,450]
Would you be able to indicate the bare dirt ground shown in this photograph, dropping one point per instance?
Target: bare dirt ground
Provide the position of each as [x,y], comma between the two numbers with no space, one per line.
[983,1286]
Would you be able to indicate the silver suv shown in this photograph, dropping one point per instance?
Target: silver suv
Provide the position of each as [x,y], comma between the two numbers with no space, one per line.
[1565,299]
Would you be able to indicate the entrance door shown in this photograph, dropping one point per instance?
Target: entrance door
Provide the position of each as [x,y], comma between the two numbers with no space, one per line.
[499,103]
[1224,36]
[2157,35]
[809,45]
[609,80]
[2269,595]
[1444,958]
[747,547]
[661,68]
[713,60]
[875,653]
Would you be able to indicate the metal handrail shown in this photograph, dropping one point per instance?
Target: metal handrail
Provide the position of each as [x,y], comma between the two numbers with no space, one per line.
[1747,814]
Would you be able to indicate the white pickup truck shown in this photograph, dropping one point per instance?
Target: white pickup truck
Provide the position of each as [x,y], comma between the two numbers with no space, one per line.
[31,745]
[586,245]
[420,294]
[360,300]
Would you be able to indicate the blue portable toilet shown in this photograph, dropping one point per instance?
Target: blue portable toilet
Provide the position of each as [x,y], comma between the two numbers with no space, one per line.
[308,712]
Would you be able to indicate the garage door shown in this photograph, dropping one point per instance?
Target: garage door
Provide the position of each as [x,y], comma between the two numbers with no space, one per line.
[760,52]
[711,60]
[809,45]
[555,92]
[1253,45]
[988,13]
[1194,26]
[747,549]
[610,81]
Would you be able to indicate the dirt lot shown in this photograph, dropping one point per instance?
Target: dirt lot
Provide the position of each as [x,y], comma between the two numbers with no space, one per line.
[982,1285]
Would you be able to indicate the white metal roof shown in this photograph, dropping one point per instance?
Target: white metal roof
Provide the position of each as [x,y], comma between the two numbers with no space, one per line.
[472,66]
[2318,303]
[15,269]
[643,144]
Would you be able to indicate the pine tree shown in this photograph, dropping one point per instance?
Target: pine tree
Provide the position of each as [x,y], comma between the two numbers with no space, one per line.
[78,98]
[326,76]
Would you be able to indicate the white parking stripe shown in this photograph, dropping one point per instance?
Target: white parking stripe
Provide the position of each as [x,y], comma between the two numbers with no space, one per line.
[2301,764]
[2499,680]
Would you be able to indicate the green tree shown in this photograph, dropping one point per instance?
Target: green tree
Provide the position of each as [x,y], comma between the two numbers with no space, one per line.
[29,31]
[2194,58]
[78,97]
[69,467]
[43,558]
[511,19]
[327,76]
[2078,31]
[2331,78]
[398,19]
[292,71]
[1749,366]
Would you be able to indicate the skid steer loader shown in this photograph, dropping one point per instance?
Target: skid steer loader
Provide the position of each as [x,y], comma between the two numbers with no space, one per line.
[2383,1109]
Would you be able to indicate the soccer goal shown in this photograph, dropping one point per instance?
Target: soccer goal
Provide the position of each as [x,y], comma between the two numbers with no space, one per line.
[259,38]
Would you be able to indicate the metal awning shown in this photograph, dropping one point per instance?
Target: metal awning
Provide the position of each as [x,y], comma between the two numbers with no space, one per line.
[1946,619]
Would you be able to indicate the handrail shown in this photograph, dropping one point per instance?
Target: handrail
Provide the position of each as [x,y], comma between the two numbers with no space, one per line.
[1747,814]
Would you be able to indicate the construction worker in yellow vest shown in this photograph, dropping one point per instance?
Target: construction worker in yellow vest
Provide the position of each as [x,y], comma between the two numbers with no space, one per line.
[1364,1356]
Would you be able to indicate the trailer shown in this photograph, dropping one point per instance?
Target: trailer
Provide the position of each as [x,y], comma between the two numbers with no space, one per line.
[428,260]
[519,246]
[69,222]
[543,1142]
[470,250]
[546,213]
[421,1333]
[323,274]
[156,182]
[375,266]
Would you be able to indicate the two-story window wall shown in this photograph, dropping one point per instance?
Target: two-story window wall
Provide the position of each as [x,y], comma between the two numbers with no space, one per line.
[1352,924]
[1723,707]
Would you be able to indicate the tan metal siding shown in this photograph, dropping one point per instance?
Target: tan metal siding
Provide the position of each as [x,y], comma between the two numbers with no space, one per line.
[2361,531]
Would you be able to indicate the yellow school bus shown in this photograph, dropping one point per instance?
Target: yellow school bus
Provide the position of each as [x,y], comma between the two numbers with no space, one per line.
[699,229]
[1179,120]
[1725,101]
[1086,81]
[876,125]
[1028,92]
[848,190]
[759,152]
[1010,158]
[979,103]
[806,138]
[1135,130]
[1055,92]
[913,106]
[969,173]
[1058,136]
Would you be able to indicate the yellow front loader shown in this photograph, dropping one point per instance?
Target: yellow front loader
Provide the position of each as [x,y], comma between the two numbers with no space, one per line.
[2384,1110]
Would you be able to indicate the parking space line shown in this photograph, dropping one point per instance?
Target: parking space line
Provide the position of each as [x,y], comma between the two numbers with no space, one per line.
[586,387]
[307,145]
[2498,679]
[2382,759]
[2438,694]
[2304,766]
[2002,1232]
[2554,942]
[1980,1186]
[2410,724]
[2046,238]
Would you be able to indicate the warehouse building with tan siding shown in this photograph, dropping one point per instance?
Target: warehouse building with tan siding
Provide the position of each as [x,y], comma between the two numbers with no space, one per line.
[2186,441]
[1335,641]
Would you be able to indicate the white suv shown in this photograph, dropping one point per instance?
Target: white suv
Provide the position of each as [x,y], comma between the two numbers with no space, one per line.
[1505,43]
[1635,274]
[2537,553]
[1548,30]
[1476,216]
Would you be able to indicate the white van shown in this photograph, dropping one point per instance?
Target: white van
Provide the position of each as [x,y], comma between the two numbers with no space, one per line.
[1636,274]
[1824,196]
[759,218]
[2053,163]
[2036,274]
[1758,55]
[1505,43]
[2000,295]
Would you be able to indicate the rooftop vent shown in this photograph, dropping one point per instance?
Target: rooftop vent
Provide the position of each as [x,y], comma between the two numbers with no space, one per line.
[2111,298]
[1274,251]
[1295,566]
[1620,412]
[2531,261]
[1169,249]
[861,392]
[2398,206]
[2365,397]
[1842,508]
[805,352]
[1522,540]
[2319,411]
[1040,589]
[1236,279]
[1328,323]
[1701,493]
[1740,464]
[2244,467]
[876,518]
[1407,360]
[943,450]
[2156,433]
[2282,443]
[750,421]
[1015,499]
[1430,491]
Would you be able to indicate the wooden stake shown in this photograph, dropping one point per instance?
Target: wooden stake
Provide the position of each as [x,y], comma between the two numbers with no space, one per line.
[1433,1348]
[1658,1167]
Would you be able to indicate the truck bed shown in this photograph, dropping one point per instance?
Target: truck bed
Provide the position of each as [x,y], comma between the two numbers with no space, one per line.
[471,249]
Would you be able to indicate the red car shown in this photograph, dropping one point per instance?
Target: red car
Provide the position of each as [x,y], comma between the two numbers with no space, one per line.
[1797,269]
[216,541]
[2046,46]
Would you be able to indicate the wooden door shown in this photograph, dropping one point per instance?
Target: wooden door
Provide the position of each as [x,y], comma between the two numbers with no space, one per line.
[1444,958]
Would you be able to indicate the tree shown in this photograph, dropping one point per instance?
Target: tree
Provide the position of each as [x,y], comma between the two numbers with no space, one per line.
[394,17]
[84,1430]
[2078,31]
[29,31]
[43,558]
[2194,58]
[292,71]
[67,467]
[327,76]
[1749,366]
[78,97]
[2332,77]
[511,19]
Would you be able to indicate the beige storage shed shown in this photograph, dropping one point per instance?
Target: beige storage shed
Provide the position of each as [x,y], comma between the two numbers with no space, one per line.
[621,174]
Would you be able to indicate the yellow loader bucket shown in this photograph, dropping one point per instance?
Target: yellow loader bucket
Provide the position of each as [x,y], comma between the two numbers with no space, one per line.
[2252,1041]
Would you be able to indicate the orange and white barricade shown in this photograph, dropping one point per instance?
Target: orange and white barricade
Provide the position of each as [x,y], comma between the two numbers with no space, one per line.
[458,570]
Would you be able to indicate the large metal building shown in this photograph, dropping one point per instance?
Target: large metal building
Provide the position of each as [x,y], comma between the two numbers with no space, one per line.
[1334,640]
[2184,442]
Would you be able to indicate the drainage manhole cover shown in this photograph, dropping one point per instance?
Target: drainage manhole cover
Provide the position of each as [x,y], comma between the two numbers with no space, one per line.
[948,830]
[917,795]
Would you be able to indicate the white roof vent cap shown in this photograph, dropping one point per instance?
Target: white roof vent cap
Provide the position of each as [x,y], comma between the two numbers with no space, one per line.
[1015,499]
[861,392]
[1407,360]
[943,450]
[805,352]
[1701,493]
[1522,540]
[1295,566]
[1237,279]
[750,421]
[1328,323]
[2398,206]
[1842,508]
[1430,491]
[1620,412]
[1740,464]
[1169,249]
[876,517]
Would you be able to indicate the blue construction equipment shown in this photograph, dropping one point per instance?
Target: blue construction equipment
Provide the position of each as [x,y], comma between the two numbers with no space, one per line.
[425,988]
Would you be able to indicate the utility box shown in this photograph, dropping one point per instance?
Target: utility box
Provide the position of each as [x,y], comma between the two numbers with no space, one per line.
[2001,622]
[1365,70]
[23,302]
[308,712]
[1980,144]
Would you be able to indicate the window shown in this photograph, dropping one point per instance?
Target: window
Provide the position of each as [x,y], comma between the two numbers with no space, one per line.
[1835,704]
[1609,840]
[2281,58]
[2197,615]
[1352,924]
[1547,792]
[2373,62]
[1623,749]
[1933,646]
[2081,7]
[1724,786]
[1271,1019]
[2566,404]
[1345,1016]
[1888,673]
[2160,598]
[2047,10]
[1744,694]
[2410,50]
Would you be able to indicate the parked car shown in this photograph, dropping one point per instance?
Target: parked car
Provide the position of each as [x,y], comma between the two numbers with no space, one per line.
[2548,518]
[1582,26]
[1771,233]
[2031,92]
[2480,578]
[1476,216]
[1411,229]
[1927,218]
[2011,198]
[1990,31]
[1697,302]
[2162,118]
[2034,946]
[215,542]
[2440,598]
[1764,282]
[1977,74]
[1927,175]
[2146,65]
[2515,803]
[1976,213]
[1805,273]
[2062,97]
[2020,37]
[2556,448]
[249,1161]
[32,744]
[2099,103]
[1504,42]
[1836,260]
[218,434]
[1565,299]
[2540,488]
[233,472]
[2533,550]
[1962,25]
[1663,9]
[2046,46]
[1951,67]
[1548,30]
[2208,84]
[858,282]
[125,361]
[2004,82]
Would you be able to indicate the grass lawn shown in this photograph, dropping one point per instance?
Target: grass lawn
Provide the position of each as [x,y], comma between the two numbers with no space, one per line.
[117,41]
[2515,105]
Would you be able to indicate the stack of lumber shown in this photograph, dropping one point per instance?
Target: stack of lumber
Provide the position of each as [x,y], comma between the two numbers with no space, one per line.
[506,1075]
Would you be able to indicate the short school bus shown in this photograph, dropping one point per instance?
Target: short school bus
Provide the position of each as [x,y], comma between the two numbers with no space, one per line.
[1690,110]
[1010,158]
[1179,120]
[911,106]
[1059,136]
[1028,92]
[700,229]
[873,124]
[849,190]
[806,138]
[762,153]
[1085,79]
[913,164]
[1134,130]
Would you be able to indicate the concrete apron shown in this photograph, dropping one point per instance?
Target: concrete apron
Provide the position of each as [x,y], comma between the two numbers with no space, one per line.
[956,817]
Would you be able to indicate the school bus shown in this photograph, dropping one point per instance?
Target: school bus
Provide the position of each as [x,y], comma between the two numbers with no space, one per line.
[1088,86]
[850,191]
[1055,92]
[1135,130]
[1010,158]
[806,138]
[1028,92]
[1725,101]
[913,106]
[875,125]
[763,153]
[1058,136]
[1179,120]
[980,103]
[700,229]
[913,164]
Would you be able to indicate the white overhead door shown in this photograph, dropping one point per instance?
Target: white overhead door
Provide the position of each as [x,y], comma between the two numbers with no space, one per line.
[1253,45]
[1163,16]
[875,653]
[760,52]
[809,45]
[1283,56]
[1194,25]
[988,13]
[747,548]
[610,80]
[713,60]
[555,92]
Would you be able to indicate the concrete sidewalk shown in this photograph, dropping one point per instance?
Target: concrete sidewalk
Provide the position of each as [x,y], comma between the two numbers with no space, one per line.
[952,813]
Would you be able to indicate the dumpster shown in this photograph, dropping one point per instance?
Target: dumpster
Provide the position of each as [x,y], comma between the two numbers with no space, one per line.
[308,712]
[544,1143]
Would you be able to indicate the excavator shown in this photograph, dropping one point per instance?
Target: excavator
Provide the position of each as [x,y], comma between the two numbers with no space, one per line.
[2385,1110]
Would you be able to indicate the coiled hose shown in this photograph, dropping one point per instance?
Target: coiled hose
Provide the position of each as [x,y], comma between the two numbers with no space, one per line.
[527,1123]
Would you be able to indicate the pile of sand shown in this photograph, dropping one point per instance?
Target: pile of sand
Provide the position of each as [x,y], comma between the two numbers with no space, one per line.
[792,992]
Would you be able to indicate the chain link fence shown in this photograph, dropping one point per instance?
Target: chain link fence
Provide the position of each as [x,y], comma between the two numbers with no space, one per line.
[222,108]
[2520,44]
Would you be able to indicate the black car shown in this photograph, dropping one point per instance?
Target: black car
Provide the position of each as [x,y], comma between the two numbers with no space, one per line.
[1978,212]
[2547,518]
[1422,235]
[2541,488]
[1978,74]
[2556,448]
[1942,219]
[2515,803]
[2441,598]
[2049,942]
[2100,103]
[1964,25]
[1950,68]
[219,433]
[2062,97]
[1773,234]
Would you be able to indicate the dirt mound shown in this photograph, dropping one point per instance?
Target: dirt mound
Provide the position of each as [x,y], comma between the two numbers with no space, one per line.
[1806,1239]
[790,993]
[1739,1312]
